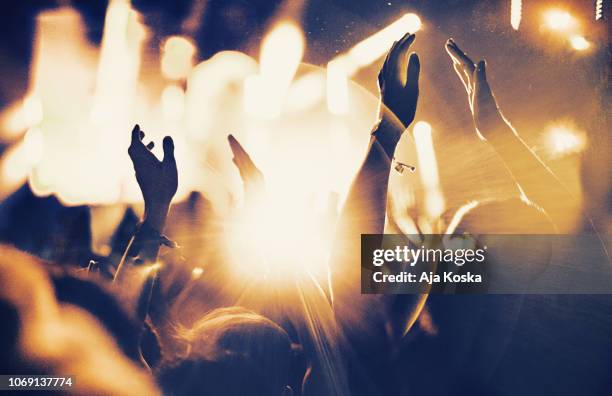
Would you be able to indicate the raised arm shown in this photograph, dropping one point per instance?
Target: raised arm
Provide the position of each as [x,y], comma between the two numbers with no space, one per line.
[158,181]
[252,178]
[535,180]
[365,208]
[363,318]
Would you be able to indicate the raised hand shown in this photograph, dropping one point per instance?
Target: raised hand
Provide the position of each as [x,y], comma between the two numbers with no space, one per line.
[398,80]
[158,180]
[485,112]
[251,176]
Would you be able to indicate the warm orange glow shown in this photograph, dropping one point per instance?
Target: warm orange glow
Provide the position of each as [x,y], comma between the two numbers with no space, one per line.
[563,139]
[579,43]
[428,169]
[197,272]
[559,20]
[375,46]
[277,240]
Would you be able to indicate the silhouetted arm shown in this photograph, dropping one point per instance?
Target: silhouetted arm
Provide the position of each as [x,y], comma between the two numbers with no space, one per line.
[158,181]
[365,207]
[534,178]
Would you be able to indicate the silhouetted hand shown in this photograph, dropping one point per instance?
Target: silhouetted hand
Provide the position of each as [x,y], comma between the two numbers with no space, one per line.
[158,180]
[251,176]
[485,112]
[398,80]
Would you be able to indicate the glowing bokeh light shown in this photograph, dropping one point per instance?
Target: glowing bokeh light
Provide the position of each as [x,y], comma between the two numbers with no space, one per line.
[281,53]
[598,10]
[197,272]
[516,10]
[559,20]
[272,240]
[579,43]
[369,50]
[177,57]
[337,87]
[561,140]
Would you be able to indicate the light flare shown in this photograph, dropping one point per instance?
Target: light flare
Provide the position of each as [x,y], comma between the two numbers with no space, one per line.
[281,53]
[559,20]
[20,159]
[277,239]
[369,50]
[173,103]
[561,140]
[337,87]
[177,57]
[516,10]
[579,43]
[598,10]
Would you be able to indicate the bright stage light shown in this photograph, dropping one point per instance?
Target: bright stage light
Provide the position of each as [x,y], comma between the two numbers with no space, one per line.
[177,57]
[561,140]
[173,103]
[598,10]
[20,159]
[516,10]
[337,87]
[277,240]
[281,53]
[559,20]
[369,50]
[197,272]
[579,43]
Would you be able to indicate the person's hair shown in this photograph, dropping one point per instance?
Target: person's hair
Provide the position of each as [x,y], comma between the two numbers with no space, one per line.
[495,216]
[229,351]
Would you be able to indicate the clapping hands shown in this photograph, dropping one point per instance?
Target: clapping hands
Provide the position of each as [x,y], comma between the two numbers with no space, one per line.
[398,80]
[485,112]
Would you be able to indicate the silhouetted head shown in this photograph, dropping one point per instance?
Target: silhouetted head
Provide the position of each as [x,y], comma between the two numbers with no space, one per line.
[49,337]
[230,351]
[516,234]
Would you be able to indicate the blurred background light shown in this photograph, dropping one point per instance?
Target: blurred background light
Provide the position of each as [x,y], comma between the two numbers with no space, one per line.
[177,57]
[598,10]
[516,10]
[559,20]
[561,139]
[579,43]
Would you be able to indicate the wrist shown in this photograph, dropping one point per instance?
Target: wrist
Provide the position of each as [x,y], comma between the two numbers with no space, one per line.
[387,133]
[155,215]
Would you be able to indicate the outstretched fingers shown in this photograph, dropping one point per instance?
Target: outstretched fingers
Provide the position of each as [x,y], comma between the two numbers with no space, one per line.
[241,157]
[463,65]
[398,60]
[412,74]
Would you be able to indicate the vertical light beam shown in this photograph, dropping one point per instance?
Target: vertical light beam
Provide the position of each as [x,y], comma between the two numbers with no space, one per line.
[516,10]
[598,10]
